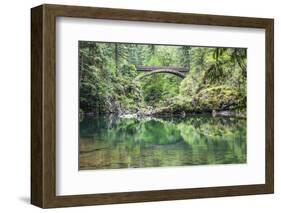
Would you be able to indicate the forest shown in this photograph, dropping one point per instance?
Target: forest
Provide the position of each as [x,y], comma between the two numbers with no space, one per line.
[145,105]
[214,81]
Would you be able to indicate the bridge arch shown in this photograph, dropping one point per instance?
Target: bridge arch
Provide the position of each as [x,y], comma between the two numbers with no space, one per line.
[170,71]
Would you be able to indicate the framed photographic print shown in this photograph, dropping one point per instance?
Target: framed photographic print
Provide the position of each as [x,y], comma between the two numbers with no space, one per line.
[137,106]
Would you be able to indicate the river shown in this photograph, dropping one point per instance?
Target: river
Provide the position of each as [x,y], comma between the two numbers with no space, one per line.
[111,142]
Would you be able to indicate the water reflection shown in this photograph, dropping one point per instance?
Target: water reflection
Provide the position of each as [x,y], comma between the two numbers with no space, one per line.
[108,142]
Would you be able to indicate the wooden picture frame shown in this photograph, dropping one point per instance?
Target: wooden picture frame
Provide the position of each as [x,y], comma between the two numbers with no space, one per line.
[43,105]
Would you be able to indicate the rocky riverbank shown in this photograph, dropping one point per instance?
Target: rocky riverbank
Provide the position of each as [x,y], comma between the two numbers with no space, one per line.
[215,101]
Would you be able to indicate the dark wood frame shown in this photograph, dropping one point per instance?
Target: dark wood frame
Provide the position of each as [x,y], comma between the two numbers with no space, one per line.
[43,105]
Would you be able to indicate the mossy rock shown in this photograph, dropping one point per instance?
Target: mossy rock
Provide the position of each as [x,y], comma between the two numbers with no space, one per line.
[218,98]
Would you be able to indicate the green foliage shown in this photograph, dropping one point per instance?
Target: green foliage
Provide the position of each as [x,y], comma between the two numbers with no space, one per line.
[158,89]
[184,56]
[219,98]
[156,94]
[190,85]
[108,78]
[103,88]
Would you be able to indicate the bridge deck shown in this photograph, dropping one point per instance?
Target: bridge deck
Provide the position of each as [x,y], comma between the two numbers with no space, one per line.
[153,68]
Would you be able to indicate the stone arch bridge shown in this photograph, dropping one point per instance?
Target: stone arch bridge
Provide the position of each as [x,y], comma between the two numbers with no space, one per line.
[151,70]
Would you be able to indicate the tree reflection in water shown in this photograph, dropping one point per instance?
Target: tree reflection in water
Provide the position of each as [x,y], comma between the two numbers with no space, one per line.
[108,142]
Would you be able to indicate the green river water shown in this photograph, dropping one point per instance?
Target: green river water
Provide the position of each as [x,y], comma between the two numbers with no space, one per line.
[111,142]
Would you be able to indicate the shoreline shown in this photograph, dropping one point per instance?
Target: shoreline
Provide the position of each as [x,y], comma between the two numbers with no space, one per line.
[156,114]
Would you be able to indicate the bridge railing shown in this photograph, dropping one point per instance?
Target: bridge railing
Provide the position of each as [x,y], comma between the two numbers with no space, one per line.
[153,68]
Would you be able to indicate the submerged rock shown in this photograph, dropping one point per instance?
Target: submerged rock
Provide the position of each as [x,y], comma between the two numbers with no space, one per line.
[128,116]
